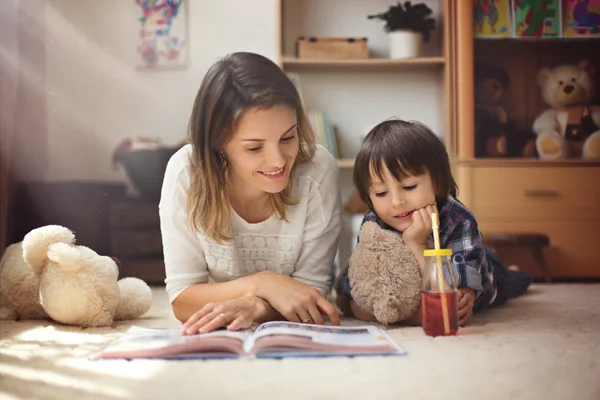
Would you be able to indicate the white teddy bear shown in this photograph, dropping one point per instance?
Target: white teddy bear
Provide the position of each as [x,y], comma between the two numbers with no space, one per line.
[571,128]
[47,275]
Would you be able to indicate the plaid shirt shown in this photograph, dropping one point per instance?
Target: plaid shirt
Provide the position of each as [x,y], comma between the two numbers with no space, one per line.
[459,232]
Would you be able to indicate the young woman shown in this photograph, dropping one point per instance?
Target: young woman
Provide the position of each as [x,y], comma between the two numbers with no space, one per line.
[251,210]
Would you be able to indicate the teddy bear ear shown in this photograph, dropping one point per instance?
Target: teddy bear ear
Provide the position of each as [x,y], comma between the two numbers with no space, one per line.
[587,66]
[543,76]
[36,244]
[66,256]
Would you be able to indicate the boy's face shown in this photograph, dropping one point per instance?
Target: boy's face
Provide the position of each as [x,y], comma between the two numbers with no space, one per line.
[395,201]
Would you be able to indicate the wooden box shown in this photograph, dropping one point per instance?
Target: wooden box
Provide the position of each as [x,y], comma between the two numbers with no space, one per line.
[313,48]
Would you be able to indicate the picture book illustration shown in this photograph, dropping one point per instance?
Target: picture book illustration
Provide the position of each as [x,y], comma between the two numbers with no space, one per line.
[491,18]
[581,18]
[537,18]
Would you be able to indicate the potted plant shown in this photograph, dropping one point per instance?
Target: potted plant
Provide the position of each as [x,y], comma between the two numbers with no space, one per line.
[407,25]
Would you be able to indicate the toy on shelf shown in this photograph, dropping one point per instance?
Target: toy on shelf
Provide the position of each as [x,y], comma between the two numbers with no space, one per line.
[571,127]
[581,18]
[495,135]
[491,18]
[537,18]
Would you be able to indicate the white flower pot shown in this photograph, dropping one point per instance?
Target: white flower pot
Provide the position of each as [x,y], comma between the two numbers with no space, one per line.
[405,44]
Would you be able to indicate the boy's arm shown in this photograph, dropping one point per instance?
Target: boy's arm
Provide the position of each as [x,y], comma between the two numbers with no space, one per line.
[468,255]
[415,319]
[359,313]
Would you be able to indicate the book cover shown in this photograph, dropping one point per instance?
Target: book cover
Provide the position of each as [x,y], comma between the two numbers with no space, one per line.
[581,18]
[537,18]
[269,340]
[491,18]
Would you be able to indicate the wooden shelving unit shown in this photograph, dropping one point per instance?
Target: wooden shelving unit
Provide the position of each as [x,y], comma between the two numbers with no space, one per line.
[356,94]
[292,62]
[525,195]
[437,63]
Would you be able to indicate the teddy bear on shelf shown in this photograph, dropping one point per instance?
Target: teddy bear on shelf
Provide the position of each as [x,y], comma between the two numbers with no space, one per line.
[384,276]
[495,135]
[571,128]
[48,276]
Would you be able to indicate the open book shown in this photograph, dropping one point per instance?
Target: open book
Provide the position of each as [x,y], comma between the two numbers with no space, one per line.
[269,340]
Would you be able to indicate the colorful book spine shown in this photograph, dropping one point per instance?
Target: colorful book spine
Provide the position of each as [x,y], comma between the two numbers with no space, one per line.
[491,18]
[537,18]
[581,18]
[324,132]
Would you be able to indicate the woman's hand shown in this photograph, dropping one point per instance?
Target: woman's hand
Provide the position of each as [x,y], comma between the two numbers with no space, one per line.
[420,229]
[294,300]
[233,314]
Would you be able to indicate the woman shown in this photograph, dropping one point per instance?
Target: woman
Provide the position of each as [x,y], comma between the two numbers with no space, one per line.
[250,211]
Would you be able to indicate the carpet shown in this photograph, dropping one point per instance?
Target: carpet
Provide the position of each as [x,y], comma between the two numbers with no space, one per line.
[544,345]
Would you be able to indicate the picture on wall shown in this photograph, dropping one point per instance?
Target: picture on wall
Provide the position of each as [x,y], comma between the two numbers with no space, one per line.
[162,33]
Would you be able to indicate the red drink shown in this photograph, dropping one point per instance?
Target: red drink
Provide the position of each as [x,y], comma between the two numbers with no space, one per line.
[432,317]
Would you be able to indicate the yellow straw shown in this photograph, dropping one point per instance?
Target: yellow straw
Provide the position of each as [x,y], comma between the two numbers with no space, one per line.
[440,274]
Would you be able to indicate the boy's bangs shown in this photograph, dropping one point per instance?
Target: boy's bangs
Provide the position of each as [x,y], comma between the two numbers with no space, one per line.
[396,161]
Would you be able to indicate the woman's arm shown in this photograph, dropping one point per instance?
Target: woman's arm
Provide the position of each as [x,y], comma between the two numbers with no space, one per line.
[197,296]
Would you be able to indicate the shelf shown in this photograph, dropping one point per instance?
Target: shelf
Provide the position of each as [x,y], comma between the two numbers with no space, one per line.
[527,162]
[345,163]
[528,39]
[291,62]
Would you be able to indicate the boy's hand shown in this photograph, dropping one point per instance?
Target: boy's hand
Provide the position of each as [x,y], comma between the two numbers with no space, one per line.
[466,299]
[420,230]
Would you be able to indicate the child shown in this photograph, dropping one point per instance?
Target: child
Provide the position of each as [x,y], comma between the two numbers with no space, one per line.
[402,173]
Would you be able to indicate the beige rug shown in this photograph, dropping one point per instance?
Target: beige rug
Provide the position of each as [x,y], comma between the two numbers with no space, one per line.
[545,345]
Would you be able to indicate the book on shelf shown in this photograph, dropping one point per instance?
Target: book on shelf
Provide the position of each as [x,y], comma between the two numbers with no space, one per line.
[580,19]
[325,132]
[530,20]
[269,340]
[491,19]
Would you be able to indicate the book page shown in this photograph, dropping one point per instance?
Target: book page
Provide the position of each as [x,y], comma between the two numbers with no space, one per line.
[350,336]
[162,342]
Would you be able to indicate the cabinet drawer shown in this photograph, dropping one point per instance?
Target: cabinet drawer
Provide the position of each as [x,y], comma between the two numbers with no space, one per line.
[536,193]
[136,243]
[572,252]
[134,214]
[150,270]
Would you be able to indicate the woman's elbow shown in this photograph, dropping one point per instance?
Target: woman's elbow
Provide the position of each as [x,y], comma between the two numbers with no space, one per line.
[179,312]
[180,309]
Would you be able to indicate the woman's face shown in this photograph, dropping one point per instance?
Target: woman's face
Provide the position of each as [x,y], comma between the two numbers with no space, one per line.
[263,149]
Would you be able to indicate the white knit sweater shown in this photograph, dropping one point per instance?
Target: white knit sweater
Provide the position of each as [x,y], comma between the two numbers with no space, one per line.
[304,247]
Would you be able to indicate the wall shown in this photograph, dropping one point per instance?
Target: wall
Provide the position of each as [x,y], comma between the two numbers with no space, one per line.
[95,96]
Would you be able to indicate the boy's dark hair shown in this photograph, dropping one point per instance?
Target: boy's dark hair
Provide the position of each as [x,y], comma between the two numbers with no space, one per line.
[405,148]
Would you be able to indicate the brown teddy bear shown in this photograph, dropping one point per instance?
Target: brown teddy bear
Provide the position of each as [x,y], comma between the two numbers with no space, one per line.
[384,276]
[571,128]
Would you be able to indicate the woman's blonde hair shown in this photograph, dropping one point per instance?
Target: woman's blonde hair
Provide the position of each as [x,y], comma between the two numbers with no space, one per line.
[235,84]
